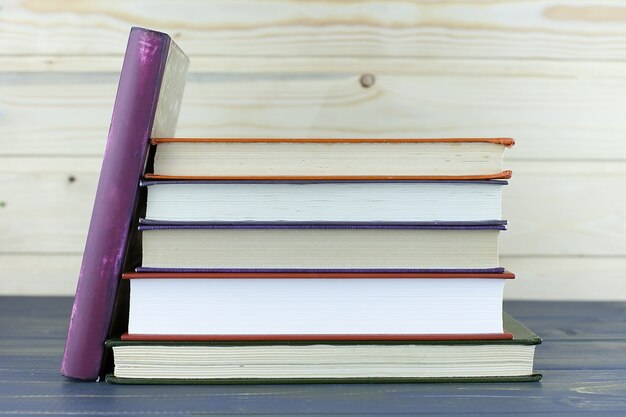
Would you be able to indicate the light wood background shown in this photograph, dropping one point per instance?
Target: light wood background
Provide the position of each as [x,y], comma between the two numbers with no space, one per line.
[551,74]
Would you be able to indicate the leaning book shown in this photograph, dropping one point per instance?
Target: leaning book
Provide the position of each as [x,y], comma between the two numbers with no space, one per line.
[302,361]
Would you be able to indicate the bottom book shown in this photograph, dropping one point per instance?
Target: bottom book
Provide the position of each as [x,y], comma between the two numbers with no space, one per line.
[248,362]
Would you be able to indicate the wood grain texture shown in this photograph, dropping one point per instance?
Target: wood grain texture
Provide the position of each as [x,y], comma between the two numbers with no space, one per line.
[548,73]
[72,65]
[552,118]
[565,209]
[46,212]
[39,273]
[566,278]
[546,29]
[581,358]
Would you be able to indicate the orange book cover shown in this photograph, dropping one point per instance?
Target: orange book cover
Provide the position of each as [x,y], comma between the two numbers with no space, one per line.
[506,174]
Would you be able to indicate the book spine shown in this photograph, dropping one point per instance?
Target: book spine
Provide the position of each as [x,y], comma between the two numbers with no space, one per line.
[116,198]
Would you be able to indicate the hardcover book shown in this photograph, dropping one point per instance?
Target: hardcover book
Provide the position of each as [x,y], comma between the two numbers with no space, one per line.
[324,201]
[315,306]
[147,104]
[327,361]
[284,246]
[340,159]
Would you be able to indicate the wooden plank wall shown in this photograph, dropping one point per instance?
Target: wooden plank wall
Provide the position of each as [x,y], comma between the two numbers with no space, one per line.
[550,74]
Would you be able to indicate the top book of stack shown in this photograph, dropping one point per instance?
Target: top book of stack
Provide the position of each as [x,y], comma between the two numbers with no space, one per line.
[336,159]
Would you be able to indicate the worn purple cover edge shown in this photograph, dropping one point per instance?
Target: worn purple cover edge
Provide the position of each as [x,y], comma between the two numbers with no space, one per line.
[116,197]
[146,224]
[432,224]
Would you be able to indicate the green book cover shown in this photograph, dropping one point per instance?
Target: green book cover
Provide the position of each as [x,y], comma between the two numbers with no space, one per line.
[388,373]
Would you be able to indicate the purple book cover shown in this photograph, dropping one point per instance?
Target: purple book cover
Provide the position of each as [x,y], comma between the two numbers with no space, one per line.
[488,225]
[147,102]
[496,270]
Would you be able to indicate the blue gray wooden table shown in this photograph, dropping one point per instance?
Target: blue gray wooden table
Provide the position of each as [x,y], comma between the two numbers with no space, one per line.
[583,359]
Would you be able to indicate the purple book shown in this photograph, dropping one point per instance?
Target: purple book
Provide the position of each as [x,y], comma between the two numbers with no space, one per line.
[488,225]
[159,252]
[147,105]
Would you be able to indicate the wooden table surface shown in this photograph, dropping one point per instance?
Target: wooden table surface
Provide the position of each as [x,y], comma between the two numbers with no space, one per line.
[583,359]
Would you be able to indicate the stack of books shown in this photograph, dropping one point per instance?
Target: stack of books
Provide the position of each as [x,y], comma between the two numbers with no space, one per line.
[275,260]
[288,260]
